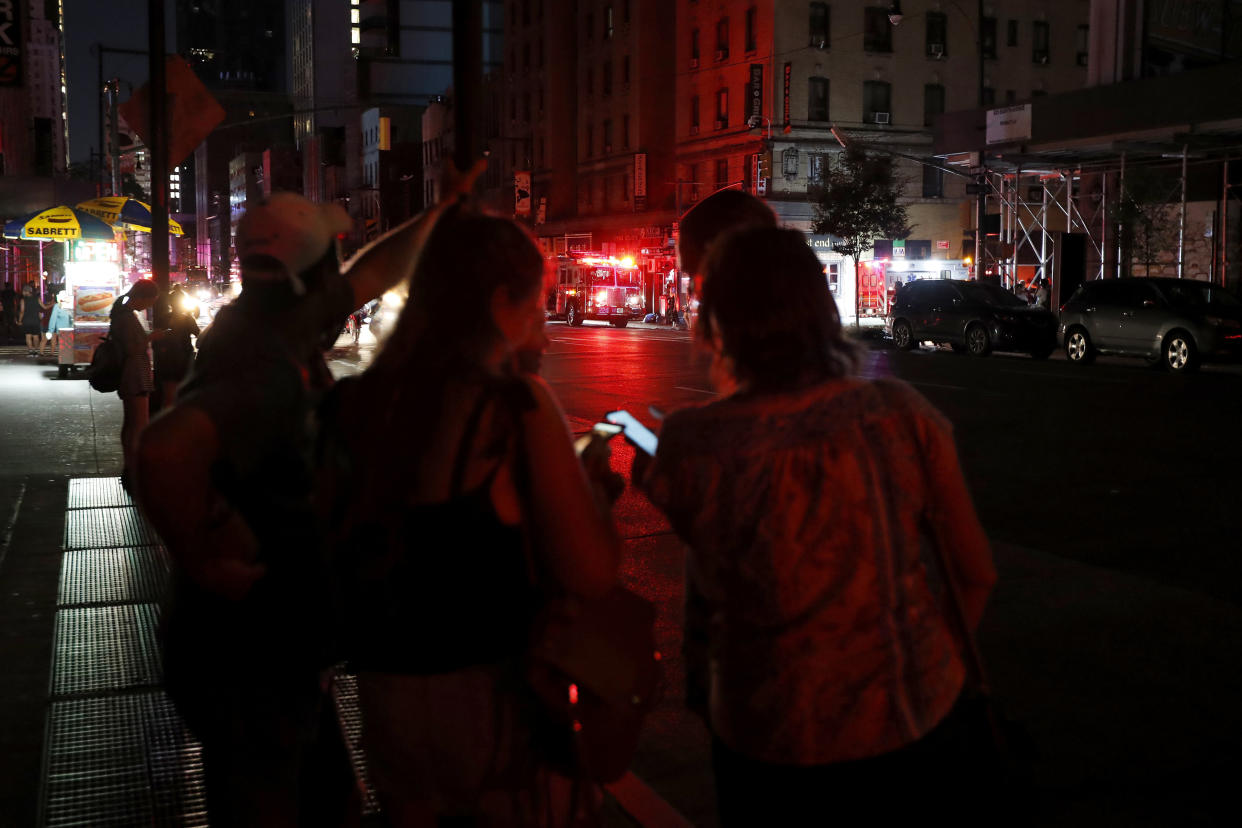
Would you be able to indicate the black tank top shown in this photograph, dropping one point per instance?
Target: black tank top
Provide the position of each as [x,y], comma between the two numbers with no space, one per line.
[436,587]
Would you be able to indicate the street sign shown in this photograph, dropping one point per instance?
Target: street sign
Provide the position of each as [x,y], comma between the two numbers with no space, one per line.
[192,111]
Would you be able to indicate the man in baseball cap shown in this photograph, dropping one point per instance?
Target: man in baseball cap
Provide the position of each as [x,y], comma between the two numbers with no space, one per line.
[225,478]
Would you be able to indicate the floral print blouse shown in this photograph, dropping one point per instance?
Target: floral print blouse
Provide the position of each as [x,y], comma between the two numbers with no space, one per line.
[814,619]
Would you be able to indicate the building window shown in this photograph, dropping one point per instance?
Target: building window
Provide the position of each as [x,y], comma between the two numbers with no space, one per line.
[513,108]
[607,135]
[877,31]
[625,131]
[722,108]
[933,103]
[590,81]
[876,102]
[1039,53]
[525,55]
[606,78]
[817,99]
[722,38]
[540,147]
[590,26]
[933,182]
[624,180]
[540,100]
[988,37]
[819,25]
[1081,39]
[752,16]
[832,272]
[590,139]
[625,69]
[526,107]
[722,172]
[694,48]
[937,34]
[539,54]
[989,96]
[694,114]
[694,182]
[1012,39]
[816,163]
[608,23]
[625,11]
[1010,96]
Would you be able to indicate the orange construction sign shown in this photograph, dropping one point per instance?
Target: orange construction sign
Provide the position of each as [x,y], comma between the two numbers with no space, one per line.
[192,111]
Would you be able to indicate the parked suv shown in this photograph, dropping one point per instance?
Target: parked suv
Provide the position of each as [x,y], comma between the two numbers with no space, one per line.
[1176,322]
[975,317]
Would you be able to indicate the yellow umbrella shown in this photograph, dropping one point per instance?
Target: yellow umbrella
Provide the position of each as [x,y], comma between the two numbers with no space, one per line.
[126,211]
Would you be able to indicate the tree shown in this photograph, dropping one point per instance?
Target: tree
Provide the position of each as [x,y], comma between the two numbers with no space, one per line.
[131,188]
[861,202]
[1146,222]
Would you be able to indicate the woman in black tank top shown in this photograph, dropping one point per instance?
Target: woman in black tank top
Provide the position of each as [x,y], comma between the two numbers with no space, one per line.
[445,540]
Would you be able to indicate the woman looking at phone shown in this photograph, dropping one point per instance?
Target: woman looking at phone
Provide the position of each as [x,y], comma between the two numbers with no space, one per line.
[431,534]
[136,381]
[817,648]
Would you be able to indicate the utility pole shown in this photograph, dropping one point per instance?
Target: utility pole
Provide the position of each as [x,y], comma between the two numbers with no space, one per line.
[159,158]
[467,82]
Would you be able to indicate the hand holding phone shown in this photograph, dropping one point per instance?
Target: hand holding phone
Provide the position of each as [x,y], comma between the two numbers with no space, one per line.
[635,432]
[600,431]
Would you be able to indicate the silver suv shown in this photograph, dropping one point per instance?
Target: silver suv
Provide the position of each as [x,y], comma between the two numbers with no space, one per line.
[1177,322]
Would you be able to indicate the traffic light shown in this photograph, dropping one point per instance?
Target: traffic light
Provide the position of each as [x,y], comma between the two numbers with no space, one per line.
[765,165]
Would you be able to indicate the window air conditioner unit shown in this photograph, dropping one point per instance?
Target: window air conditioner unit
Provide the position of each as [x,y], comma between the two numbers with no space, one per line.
[1041,57]
[694,63]
[694,129]
[820,44]
[880,117]
[721,54]
[936,50]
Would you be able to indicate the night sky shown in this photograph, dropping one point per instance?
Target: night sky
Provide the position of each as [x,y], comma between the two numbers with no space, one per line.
[118,24]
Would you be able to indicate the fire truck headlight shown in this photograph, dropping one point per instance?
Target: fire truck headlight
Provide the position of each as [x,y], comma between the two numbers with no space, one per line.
[601,298]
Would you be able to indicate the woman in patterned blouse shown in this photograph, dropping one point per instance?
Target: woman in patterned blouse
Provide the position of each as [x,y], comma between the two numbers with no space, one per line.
[817,645]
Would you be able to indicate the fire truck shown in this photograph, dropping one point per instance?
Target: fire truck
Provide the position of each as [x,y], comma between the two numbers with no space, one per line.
[595,286]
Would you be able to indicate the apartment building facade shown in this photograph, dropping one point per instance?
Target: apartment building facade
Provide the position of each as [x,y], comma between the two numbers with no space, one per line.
[762,83]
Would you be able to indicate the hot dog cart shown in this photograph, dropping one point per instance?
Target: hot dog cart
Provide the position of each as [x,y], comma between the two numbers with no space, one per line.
[92,283]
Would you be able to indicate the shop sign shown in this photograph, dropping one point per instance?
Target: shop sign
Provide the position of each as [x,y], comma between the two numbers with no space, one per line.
[521,193]
[942,244]
[1008,124]
[754,105]
[788,78]
[10,43]
[899,248]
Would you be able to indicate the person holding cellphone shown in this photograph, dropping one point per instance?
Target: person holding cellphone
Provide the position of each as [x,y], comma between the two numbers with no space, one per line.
[817,648]
[436,541]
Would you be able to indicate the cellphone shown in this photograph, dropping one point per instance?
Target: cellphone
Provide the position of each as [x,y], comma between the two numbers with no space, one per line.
[638,434]
[599,431]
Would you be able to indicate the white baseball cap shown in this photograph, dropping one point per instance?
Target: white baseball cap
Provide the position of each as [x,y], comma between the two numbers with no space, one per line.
[291,229]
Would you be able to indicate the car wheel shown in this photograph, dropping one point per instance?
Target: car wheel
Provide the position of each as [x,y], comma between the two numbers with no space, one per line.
[1078,347]
[620,323]
[978,343]
[572,317]
[1042,352]
[1180,354]
[62,371]
[903,337]
[958,348]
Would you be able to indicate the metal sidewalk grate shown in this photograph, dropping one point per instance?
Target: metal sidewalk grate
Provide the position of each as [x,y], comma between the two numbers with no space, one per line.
[101,528]
[121,760]
[93,492]
[113,576]
[105,648]
[345,694]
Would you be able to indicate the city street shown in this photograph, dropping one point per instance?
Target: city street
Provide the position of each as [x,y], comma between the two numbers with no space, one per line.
[1110,491]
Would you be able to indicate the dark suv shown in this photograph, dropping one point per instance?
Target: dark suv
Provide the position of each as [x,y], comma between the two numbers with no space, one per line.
[1176,322]
[975,317]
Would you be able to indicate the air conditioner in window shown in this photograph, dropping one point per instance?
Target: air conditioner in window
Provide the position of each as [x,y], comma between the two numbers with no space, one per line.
[936,50]
[694,129]
[694,63]
[880,117]
[1041,57]
[819,44]
[721,54]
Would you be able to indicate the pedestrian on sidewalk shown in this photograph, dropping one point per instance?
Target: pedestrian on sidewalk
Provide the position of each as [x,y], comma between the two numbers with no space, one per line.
[816,646]
[225,478]
[30,312]
[8,312]
[59,318]
[130,334]
[432,534]
[175,353]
